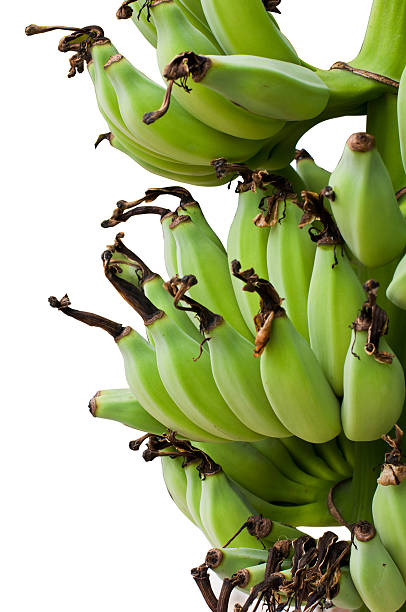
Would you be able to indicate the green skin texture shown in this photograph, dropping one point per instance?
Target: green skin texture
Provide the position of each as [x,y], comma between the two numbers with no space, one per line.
[146,27]
[170,251]
[347,597]
[388,509]
[196,394]
[176,483]
[305,456]
[193,493]
[396,291]
[382,122]
[198,255]
[247,243]
[332,455]
[402,117]
[283,91]
[235,559]
[290,257]
[260,476]
[258,36]
[238,378]
[194,211]
[121,405]
[376,577]
[144,381]
[219,492]
[207,106]
[177,133]
[306,398]
[335,297]
[314,177]
[365,208]
[374,392]
[196,18]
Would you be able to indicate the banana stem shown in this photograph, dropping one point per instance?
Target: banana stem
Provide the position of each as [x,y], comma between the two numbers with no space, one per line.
[384,46]
[368,457]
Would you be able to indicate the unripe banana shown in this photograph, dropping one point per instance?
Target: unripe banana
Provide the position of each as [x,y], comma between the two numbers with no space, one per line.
[307,398]
[177,133]
[283,91]
[306,458]
[193,493]
[175,35]
[121,405]
[226,561]
[194,15]
[365,206]
[374,383]
[141,19]
[389,503]
[192,209]
[198,255]
[175,480]
[314,177]
[243,28]
[396,291]
[374,573]
[290,257]
[347,597]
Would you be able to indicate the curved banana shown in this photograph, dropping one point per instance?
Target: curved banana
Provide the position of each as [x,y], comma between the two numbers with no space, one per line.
[175,481]
[121,405]
[306,458]
[300,399]
[402,116]
[374,573]
[243,28]
[283,91]
[290,257]
[247,243]
[389,502]
[141,372]
[192,209]
[396,291]
[227,561]
[175,35]
[374,382]
[194,493]
[177,134]
[347,597]
[198,255]
[196,393]
[332,455]
[314,177]
[196,18]
[141,19]
[260,476]
[365,207]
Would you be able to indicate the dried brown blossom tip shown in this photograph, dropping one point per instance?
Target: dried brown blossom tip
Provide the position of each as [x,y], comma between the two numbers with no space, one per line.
[214,557]
[102,137]
[361,142]
[33,29]
[271,6]
[302,154]
[64,302]
[125,11]
[363,531]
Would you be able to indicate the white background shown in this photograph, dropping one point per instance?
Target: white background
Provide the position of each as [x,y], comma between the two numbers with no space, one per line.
[87,525]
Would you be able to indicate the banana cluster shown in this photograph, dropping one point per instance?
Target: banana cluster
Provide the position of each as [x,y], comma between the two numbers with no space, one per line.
[272,367]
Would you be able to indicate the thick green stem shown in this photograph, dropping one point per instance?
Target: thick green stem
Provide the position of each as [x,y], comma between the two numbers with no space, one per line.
[384,47]
[368,457]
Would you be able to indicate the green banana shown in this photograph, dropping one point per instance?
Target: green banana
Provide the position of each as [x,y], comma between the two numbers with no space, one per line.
[283,91]
[260,476]
[193,493]
[382,123]
[196,393]
[175,35]
[334,296]
[402,117]
[235,371]
[141,372]
[332,455]
[170,249]
[227,561]
[290,257]
[396,291]
[219,492]
[374,382]
[284,353]
[314,177]
[175,481]
[192,209]
[278,454]
[121,405]
[306,458]
[177,134]
[388,504]
[198,255]
[198,23]
[247,29]
[347,597]
[365,207]
[247,243]
[374,573]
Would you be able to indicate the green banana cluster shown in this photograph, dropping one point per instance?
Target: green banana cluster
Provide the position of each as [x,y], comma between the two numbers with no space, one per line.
[272,367]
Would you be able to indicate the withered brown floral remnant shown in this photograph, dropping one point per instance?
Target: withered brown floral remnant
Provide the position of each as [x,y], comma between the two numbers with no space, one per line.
[394,469]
